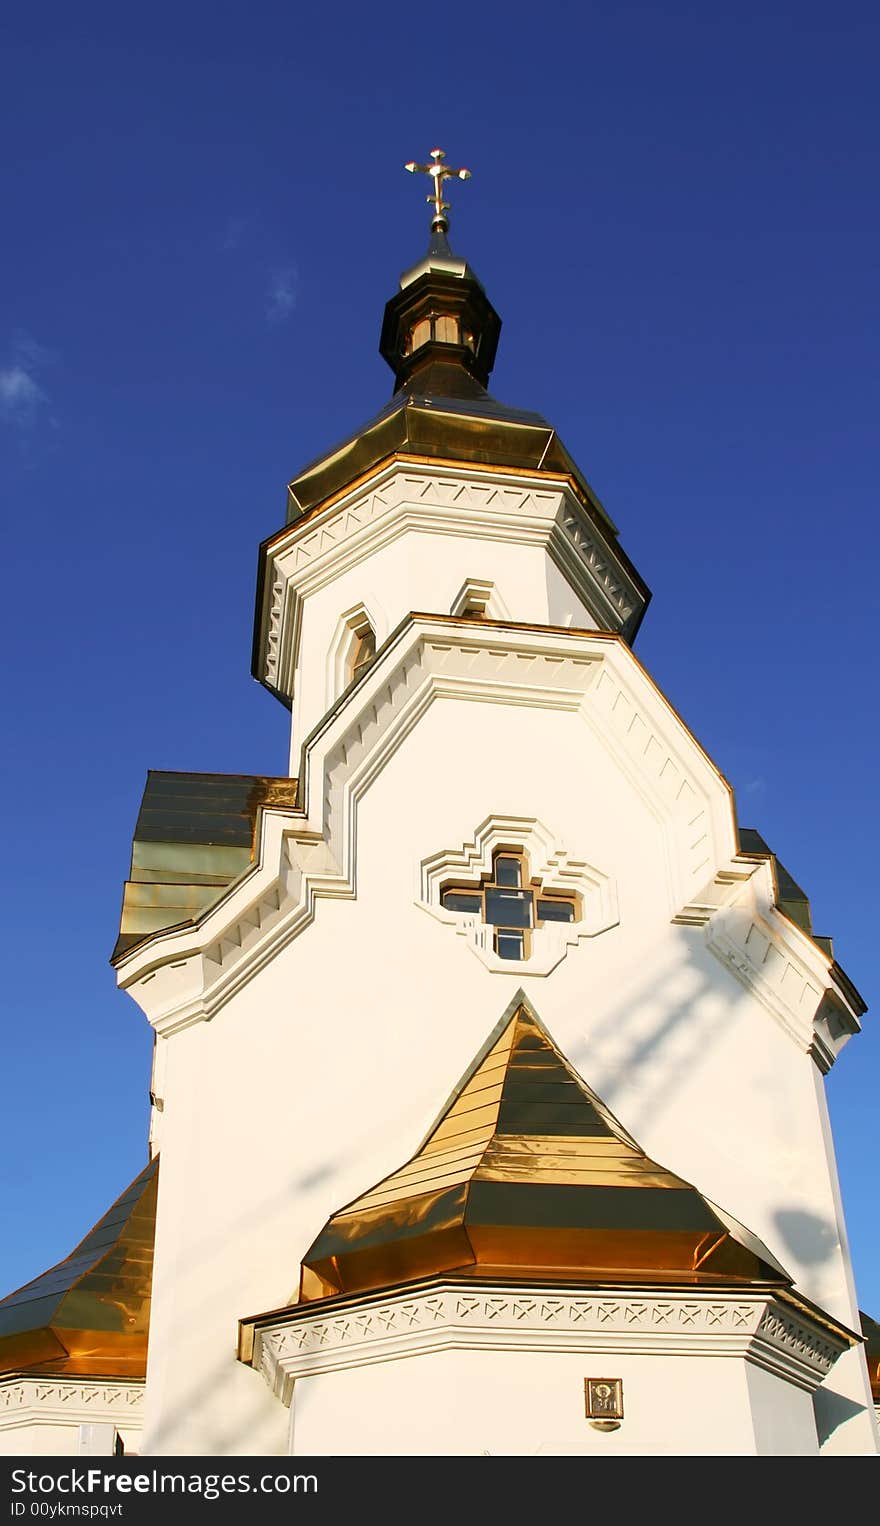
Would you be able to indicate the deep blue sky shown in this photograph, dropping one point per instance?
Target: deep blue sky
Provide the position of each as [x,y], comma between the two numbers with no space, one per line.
[674,208]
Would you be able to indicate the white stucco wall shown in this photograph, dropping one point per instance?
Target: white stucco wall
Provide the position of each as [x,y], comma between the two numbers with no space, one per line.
[325,1070]
[531,1404]
[57,1416]
[421,571]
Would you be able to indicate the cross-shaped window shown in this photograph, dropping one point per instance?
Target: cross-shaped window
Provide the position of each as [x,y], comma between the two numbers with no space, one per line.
[510,903]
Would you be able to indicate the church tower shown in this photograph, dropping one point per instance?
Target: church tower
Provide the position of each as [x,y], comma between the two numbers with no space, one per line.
[488,1106]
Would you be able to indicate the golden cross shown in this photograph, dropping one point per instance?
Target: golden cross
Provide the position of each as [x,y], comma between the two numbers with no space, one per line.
[439,172]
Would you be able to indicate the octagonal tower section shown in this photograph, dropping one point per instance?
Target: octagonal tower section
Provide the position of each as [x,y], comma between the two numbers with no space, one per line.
[447,503]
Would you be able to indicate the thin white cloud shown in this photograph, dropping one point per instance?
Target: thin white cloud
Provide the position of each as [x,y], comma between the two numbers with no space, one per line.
[20,396]
[30,354]
[282,294]
[245,239]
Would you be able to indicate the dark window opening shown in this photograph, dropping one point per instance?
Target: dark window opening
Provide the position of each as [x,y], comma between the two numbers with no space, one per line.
[509,909]
[509,943]
[508,870]
[555,911]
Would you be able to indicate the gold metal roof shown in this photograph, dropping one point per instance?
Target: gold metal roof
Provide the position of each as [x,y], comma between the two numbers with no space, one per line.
[195,834]
[527,1174]
[90,1314]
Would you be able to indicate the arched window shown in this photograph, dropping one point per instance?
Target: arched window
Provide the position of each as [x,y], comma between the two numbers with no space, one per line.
[352,649]
[361,652]
[441,327]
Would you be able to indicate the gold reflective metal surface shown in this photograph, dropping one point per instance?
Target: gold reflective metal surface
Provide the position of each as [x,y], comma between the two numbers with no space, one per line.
[603,1399]
[439,172]
[527,1174]
[90,1314]
[195,834]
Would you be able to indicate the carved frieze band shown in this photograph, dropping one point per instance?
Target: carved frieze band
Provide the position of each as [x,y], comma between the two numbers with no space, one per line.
[779,963]
[477,507]
[747,945]
[649,756]
[595,556]
[795,1336]
[273,628]
[45,1394]
[757,1329]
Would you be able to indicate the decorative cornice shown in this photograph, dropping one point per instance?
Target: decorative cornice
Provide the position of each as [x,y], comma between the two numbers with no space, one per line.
[717,892]
[664,766]
[186,975]
[479,596]
[784,969]
[833,1025]
[752,1325]
[497,505]
[27,1400]
[581,554]
[774,958]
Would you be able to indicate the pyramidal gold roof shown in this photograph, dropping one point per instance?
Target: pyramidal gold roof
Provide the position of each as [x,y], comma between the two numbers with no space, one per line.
[90,1314]
[527,1174]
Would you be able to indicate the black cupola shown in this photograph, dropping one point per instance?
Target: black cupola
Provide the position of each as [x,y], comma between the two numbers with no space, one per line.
[440,319]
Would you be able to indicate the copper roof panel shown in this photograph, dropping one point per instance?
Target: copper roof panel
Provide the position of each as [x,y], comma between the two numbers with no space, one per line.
[532,1173]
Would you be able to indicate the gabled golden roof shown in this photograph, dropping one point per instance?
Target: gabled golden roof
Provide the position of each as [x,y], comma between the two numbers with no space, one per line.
[527,1174]
[90,1314]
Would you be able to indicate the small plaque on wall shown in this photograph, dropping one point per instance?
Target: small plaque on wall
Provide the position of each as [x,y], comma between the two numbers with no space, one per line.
[604,1400]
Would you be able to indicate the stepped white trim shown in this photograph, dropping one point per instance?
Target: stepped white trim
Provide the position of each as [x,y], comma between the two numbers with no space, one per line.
[187,975]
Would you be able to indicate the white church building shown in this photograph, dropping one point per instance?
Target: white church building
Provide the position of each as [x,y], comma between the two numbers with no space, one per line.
[488,1084]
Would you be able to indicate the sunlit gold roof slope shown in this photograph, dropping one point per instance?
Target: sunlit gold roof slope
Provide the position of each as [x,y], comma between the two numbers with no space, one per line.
[195,834]
[527,1174]
[90,1314]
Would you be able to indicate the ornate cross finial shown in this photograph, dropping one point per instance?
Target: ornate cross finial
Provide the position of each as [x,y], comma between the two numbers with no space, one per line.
[440,172]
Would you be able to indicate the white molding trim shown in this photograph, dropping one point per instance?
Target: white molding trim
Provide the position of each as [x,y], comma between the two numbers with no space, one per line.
[748,1325]
[27,1401]
[549,863]
[478,596]
[776,960]
[404,496]
[302,855]
[781,966]
[352,623]
[187,975]
[720,891]
[748,946]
